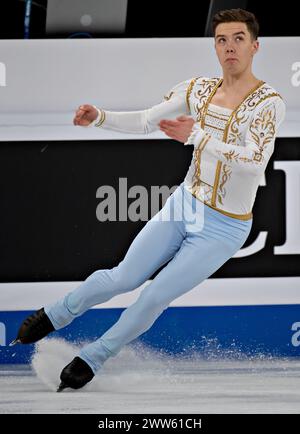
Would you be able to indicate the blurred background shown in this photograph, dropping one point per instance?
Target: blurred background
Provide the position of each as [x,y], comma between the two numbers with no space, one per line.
[137,19]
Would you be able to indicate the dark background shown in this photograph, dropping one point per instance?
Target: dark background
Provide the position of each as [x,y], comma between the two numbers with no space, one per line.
[158,18]
[48,225]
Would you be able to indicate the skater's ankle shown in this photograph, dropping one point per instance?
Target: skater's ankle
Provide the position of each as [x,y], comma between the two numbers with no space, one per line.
[92,365]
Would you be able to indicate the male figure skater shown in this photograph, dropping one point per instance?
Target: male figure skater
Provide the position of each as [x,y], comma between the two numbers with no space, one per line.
[232,123]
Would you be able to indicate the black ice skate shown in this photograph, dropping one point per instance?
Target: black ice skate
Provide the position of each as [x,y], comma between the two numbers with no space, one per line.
[34,328]
[75,375]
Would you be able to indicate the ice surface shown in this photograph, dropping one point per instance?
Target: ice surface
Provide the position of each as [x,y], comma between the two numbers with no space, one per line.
[140,380]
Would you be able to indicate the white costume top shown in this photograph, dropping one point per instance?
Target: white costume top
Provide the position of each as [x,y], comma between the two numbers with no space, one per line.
[231,147]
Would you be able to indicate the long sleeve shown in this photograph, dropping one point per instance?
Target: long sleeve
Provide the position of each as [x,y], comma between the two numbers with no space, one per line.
[146,121]
[259,140]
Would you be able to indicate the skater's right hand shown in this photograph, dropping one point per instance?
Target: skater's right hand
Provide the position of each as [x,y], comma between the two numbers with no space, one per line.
[84,115]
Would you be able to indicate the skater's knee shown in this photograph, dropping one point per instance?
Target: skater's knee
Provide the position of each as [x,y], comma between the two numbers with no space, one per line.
[130,276]
[119,279]
[153,300]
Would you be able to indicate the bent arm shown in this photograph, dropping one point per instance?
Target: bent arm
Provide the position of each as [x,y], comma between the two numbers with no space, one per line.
[142,121]
[146,121]
[259,141]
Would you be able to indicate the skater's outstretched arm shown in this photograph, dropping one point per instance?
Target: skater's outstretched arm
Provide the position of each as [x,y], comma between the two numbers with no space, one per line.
[141,121]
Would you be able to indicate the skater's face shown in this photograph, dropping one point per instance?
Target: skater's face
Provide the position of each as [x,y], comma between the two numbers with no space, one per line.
[235,47]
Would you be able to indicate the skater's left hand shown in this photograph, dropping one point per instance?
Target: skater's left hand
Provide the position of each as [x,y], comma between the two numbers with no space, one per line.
[180,129]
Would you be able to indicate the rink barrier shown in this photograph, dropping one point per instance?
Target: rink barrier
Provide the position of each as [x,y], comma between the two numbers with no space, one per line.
[221,318]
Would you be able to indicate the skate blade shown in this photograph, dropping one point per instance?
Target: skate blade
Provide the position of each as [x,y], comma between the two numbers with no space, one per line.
[62,386]
[14,342]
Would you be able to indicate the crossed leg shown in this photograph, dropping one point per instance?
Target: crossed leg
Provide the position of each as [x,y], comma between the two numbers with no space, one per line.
[198,257]
[153,246]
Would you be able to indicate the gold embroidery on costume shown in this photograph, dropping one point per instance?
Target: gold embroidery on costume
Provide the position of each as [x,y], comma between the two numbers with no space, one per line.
[219,163]
[189,91]
[212,114]
[202,95]
[167,97]
[225,176]
[197,158]
[215,128]
[239,116]
[233,156]
[204,192]
[102,118]
[216,183]
[212,88]
[262,130]
[245,111]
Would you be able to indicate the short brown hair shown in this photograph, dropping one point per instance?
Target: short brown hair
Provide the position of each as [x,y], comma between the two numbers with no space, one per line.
[237,15]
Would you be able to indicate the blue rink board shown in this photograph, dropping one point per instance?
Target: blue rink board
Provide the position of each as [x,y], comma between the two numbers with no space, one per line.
[214,331]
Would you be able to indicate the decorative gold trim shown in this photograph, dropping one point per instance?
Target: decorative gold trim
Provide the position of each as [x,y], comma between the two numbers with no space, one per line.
[268,96]
[225,135]
[102,118]
[260,83]
[189,91]
[201,95]
[212,114]
[220,81]
[215,128]
[206,184]
[254,101]
[198,153]
[168,97]
[219,164]
[216,183]
[262,129]
[226,173]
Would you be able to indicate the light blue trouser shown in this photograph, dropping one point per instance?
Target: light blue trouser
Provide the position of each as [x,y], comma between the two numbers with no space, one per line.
[194,238]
